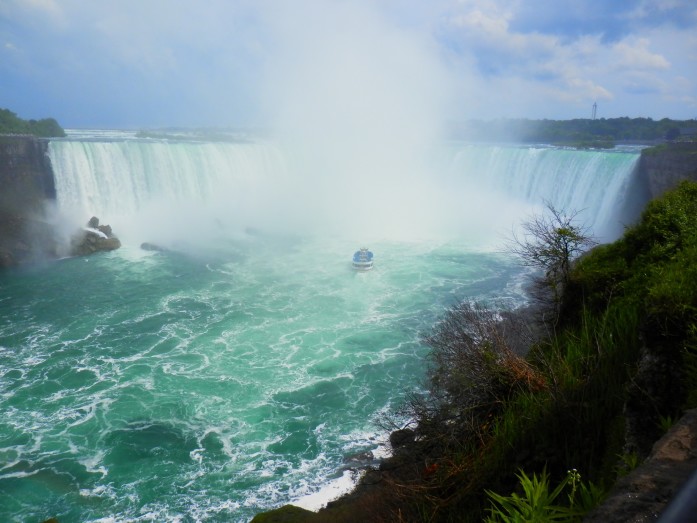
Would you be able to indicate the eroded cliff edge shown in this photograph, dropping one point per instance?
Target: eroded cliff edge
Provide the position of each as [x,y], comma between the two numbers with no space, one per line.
[27,187]
[662,167]
[28,229]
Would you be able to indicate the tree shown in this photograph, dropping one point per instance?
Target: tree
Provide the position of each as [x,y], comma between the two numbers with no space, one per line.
[672,133]
[550,242]
[10,123]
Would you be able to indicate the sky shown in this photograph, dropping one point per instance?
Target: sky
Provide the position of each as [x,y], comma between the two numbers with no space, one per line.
[404,64]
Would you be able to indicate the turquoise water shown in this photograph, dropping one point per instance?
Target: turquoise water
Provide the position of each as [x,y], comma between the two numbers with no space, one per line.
[236,371]
[141,386]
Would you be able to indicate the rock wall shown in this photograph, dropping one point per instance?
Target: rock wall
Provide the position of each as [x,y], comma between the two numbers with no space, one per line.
[653,486]
[26,185]
[663,167]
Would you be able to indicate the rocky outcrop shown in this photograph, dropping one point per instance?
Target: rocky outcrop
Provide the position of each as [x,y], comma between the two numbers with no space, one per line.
[285,514]
[649,489]
[27,184]
[93,238]
[664,167]
[148,246]
[27,191]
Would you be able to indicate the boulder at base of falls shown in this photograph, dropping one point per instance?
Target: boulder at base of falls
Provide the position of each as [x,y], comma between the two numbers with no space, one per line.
[93,238]
[147,246]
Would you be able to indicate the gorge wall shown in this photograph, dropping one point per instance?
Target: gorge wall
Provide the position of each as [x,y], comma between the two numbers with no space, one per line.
[663,167]
[27,185]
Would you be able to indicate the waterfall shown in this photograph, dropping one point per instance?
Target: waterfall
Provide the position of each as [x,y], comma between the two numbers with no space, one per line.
[150,185]
[120,177]
[192,186]
[594,183]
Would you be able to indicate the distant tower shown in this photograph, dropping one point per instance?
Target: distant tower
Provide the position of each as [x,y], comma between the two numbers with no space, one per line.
[595,109]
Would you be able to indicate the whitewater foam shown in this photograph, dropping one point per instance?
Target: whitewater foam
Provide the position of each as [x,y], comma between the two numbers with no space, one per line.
[245,371]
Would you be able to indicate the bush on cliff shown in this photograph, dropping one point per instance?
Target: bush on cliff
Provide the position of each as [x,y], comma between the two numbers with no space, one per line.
[10,123]
[550,243]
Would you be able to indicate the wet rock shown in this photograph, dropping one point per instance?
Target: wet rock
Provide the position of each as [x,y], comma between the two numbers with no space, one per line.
[147,246]
[285,514]
[360,457]
[26,187]
[401,437]
[94,238]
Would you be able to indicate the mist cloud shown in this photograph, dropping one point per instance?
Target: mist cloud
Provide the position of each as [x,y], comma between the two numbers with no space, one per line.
[360,103]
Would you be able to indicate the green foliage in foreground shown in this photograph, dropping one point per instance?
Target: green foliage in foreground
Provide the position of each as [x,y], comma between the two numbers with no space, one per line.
[565,405]
[10,123]
[538,503]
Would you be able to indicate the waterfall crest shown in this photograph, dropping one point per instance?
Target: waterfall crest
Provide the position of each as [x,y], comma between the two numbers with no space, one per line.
[261,184]
[596,183]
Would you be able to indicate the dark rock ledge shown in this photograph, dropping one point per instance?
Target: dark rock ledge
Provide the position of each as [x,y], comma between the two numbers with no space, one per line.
[93,238]
[652,491]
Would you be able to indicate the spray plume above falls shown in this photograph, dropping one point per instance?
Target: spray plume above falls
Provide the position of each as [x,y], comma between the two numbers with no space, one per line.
[357,93]
[360,104]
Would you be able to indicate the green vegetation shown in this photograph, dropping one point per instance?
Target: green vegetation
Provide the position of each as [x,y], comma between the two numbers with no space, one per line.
[601,133]
[550,243]
[10,123]
[682,147]
[512,404]
[539,504]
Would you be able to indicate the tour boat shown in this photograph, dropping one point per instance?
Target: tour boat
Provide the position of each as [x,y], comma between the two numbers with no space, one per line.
[363,259]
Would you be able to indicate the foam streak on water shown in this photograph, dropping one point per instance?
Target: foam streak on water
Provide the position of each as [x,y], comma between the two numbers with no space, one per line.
[209,383]
[165,387]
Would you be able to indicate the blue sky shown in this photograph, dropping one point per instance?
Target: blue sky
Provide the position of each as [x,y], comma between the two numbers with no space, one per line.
[228,63]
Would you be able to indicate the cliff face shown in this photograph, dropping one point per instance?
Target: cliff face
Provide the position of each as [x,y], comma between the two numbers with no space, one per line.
[663,167]
[26,186]
[653,486]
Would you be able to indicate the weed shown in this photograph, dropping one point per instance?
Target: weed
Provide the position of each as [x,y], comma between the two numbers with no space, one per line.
[666,422]
[627,463]
[538,503]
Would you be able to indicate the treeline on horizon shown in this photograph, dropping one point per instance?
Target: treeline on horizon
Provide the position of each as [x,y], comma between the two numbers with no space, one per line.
[601,132]
[10,123]
[577,132]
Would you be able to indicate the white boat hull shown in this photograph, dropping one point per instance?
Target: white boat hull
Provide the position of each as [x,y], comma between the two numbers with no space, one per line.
[362,260]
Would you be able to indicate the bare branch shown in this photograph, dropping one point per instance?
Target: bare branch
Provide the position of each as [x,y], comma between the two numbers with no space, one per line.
[551,242]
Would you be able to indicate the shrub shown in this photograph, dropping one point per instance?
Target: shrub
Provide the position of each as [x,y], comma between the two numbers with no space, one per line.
[538,504]
[475,368]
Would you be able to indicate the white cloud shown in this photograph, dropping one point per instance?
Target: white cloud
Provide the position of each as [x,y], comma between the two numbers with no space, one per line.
[48,12]
[219,60]
[646,9]
[633,53]
[569,63]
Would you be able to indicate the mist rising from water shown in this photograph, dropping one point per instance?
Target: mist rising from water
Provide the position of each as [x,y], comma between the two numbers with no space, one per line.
[358,152]
[359,106]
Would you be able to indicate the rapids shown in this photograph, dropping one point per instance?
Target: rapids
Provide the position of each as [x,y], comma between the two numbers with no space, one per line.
[237,370]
